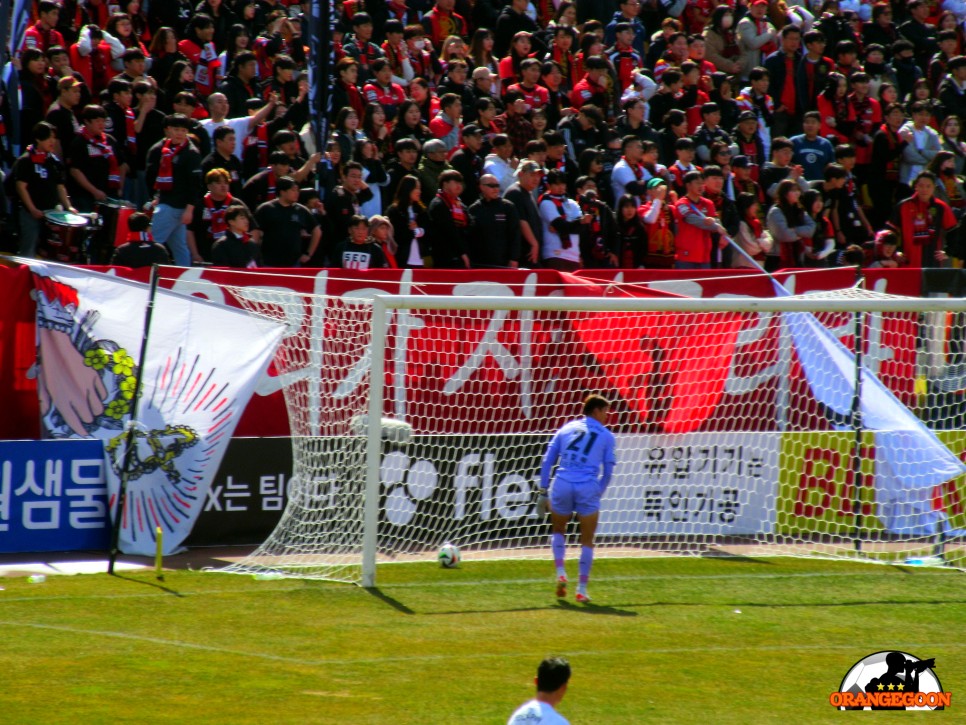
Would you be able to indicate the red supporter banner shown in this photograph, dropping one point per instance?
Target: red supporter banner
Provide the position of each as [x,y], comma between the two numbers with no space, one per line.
[511,369]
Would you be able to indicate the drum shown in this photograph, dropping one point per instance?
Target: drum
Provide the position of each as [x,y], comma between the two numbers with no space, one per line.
[66,239]
[114,214]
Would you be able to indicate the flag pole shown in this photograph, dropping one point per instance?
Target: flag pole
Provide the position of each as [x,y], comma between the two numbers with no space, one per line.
[130,442]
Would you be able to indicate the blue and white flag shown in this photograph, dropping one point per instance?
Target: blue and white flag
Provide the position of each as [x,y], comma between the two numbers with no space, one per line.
[909,459]
[202,363]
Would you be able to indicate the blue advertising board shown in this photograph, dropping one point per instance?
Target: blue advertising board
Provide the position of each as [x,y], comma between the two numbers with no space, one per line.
[53,496]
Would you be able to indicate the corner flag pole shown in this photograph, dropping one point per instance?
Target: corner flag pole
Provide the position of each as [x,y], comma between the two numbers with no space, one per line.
[131,440]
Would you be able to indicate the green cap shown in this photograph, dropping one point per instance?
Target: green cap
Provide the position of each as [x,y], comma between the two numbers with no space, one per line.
[655,182]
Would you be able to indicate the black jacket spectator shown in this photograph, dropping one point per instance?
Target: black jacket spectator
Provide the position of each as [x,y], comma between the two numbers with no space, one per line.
[495,233]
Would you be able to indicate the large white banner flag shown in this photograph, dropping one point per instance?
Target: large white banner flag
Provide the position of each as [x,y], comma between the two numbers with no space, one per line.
[910,460]
[202,363]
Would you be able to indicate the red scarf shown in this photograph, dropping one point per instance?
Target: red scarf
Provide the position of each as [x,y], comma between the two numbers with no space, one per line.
[271,180]
[103,148]
[165,180]
[130,132]
[456,210]
[37,156]
[636,168]
[216,214]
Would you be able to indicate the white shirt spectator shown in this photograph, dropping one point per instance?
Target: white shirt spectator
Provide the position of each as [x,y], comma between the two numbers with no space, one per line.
[553,247]
[501,169]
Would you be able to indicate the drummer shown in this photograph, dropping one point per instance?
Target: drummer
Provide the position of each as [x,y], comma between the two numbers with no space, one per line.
[39,182]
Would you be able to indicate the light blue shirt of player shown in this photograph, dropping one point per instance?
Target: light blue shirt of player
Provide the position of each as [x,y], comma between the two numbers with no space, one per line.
[583,447]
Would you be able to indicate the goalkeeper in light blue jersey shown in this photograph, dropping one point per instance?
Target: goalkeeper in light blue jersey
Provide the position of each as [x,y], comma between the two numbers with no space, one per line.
[584,450]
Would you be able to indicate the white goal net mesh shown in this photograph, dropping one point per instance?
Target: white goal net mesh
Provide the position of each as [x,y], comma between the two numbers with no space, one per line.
[738,433]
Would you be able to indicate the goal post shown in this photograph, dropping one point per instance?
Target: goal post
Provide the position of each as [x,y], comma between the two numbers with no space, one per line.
[744,425]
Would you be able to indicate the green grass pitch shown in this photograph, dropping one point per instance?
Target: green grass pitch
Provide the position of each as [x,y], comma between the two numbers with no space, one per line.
[664,642]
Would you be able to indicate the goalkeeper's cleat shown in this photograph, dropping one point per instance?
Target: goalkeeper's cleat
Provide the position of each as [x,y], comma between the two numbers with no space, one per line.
[561,586]
[582,597]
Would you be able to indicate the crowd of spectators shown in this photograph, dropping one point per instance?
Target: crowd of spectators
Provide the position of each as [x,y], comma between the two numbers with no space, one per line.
[493,133]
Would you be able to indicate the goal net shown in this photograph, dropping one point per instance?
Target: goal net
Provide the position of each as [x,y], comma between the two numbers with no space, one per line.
[742,426]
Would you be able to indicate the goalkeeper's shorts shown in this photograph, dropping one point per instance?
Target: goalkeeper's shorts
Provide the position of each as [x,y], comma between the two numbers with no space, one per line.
[582,497]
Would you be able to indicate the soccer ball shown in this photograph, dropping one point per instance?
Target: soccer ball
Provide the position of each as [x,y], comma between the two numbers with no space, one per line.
[449,556]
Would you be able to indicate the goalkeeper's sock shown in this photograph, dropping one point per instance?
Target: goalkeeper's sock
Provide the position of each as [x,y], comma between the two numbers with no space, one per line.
[559,549]
[586,562]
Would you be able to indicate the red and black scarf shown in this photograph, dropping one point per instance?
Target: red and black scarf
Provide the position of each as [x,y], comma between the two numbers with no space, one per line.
[37,156]
[129,131]
[216,214]
[558,201]
[103,148]
[165,180]
[456,210]
[260,139]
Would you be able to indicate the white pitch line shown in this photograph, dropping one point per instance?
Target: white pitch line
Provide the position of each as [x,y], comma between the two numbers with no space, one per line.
[177,644]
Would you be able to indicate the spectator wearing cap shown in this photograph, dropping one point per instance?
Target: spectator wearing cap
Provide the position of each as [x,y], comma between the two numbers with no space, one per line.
[952,89]
[241,83]
[748,142]
[920,32]
[440,22]
[513,20]
[529,178]
[62,113]
[481,88]
[290,232]
[468,161]
[741,178]
[499,162]
[360,48]
[447,124]
[591,89]
[697,224]
[495,239]
[582,130]
[563,221]
[174,174]
[139,249]
[449,223]
[430,167]
[756,37]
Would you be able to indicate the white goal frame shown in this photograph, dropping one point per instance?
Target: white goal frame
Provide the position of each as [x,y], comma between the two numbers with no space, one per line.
[383,305]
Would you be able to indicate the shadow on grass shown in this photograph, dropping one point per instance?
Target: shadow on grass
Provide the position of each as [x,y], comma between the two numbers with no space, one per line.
[156,585]
[592,608]
[386,599]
